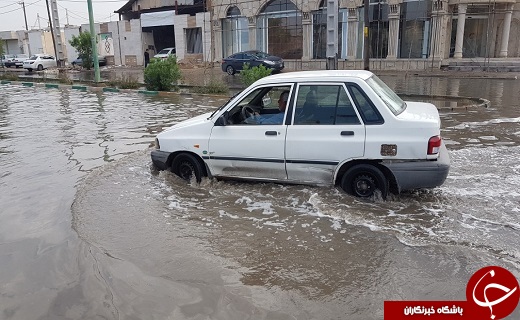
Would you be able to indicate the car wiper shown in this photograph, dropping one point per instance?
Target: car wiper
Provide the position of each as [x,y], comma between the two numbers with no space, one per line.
[222,106]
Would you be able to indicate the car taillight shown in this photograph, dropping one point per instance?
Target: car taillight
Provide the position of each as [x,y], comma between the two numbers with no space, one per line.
[434,145]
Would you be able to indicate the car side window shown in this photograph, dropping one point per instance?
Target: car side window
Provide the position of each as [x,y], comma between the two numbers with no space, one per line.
[261,106]
[324,105]
[368,111]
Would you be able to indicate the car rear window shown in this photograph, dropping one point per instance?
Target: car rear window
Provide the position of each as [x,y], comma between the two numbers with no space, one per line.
[389,97]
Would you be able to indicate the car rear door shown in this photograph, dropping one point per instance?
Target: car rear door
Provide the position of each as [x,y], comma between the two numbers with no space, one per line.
[326,131]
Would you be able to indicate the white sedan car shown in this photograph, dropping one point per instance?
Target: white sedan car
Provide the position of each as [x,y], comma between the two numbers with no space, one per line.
[165,53]
[345,128]
[40,62]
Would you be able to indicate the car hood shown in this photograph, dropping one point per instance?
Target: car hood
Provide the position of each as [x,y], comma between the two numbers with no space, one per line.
[421,111]
[190,122]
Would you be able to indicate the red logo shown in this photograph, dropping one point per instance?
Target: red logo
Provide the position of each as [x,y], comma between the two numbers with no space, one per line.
[495,289]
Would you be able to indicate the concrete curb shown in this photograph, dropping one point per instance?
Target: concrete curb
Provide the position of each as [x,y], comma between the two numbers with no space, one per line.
[473,102]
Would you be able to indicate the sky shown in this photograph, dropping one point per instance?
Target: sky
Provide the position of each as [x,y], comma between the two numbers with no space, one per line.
[12,17]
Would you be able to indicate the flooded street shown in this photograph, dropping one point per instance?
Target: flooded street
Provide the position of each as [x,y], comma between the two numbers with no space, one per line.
[89,230]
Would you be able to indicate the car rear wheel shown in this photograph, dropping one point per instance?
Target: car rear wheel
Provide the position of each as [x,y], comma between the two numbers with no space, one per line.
[187,166]
[40,67]
[363,180]
[230,70]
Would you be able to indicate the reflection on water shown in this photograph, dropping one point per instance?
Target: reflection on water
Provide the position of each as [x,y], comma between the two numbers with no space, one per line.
[156,247]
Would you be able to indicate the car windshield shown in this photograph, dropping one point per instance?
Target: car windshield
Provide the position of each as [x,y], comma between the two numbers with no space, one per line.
[164,51]
[33,58]
[222,106]
[389,97]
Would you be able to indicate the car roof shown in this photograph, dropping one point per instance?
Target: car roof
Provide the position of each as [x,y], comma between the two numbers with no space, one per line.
[316,75]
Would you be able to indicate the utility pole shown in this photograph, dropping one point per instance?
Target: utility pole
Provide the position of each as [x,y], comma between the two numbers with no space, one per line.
[52,29]
[24,15]
[332,34]
[366,43]
[54,22]
[39,24]
[97,76]
[67,15]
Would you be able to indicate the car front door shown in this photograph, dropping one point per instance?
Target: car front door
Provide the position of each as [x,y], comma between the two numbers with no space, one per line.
[326,131]
[245,149]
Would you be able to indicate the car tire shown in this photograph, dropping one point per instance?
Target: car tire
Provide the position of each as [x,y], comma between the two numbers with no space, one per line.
[230,70]
[40,67]
[363,180]
[186,166]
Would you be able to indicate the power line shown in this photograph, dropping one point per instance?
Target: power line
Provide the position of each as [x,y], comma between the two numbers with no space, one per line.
[12,4]
[6,12]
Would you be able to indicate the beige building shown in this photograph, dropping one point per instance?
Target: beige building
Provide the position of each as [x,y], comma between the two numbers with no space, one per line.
[403,34]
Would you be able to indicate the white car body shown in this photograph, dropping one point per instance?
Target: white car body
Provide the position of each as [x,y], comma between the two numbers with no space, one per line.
[40,62]
[165,53]
[349,136]
[20,58]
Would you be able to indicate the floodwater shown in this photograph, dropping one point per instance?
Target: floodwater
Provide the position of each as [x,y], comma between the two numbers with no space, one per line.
[88,230]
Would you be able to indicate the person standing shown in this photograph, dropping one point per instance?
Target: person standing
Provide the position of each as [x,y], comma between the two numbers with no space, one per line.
[146,58]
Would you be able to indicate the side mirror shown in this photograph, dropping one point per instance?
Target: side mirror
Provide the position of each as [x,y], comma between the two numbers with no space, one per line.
[222,120]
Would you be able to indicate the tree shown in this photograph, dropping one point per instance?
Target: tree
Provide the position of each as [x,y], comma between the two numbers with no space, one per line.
[162,74]
[83,45]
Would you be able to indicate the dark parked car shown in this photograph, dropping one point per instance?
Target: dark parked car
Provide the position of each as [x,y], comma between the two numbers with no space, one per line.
[235,62]
[79,61]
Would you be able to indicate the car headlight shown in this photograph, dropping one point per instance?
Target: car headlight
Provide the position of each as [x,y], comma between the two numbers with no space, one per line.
[269,62]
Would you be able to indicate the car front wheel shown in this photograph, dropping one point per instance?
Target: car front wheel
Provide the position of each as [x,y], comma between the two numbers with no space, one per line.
[40,67]
[187,166]
[230,70]
[363,180]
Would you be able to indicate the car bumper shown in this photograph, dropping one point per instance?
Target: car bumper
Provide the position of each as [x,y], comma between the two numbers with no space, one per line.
[160,159]
[411,175]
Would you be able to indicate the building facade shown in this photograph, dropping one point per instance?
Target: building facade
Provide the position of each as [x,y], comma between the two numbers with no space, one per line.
[403,34]
[409,34]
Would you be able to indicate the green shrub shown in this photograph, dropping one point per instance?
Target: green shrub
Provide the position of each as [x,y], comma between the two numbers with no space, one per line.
[162,74]
[214,86]
[249,75]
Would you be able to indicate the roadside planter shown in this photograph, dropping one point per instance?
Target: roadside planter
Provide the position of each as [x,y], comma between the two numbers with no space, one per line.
[345,128]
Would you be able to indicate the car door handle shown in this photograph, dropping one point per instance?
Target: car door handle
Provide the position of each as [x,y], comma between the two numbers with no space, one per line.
[347,133]
[271,133]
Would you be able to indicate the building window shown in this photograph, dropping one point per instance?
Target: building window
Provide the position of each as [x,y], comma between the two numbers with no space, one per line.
[280,30]
[415,29]
[378,29]
[319,32]
[194,40]
[476,36]
[235,32]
